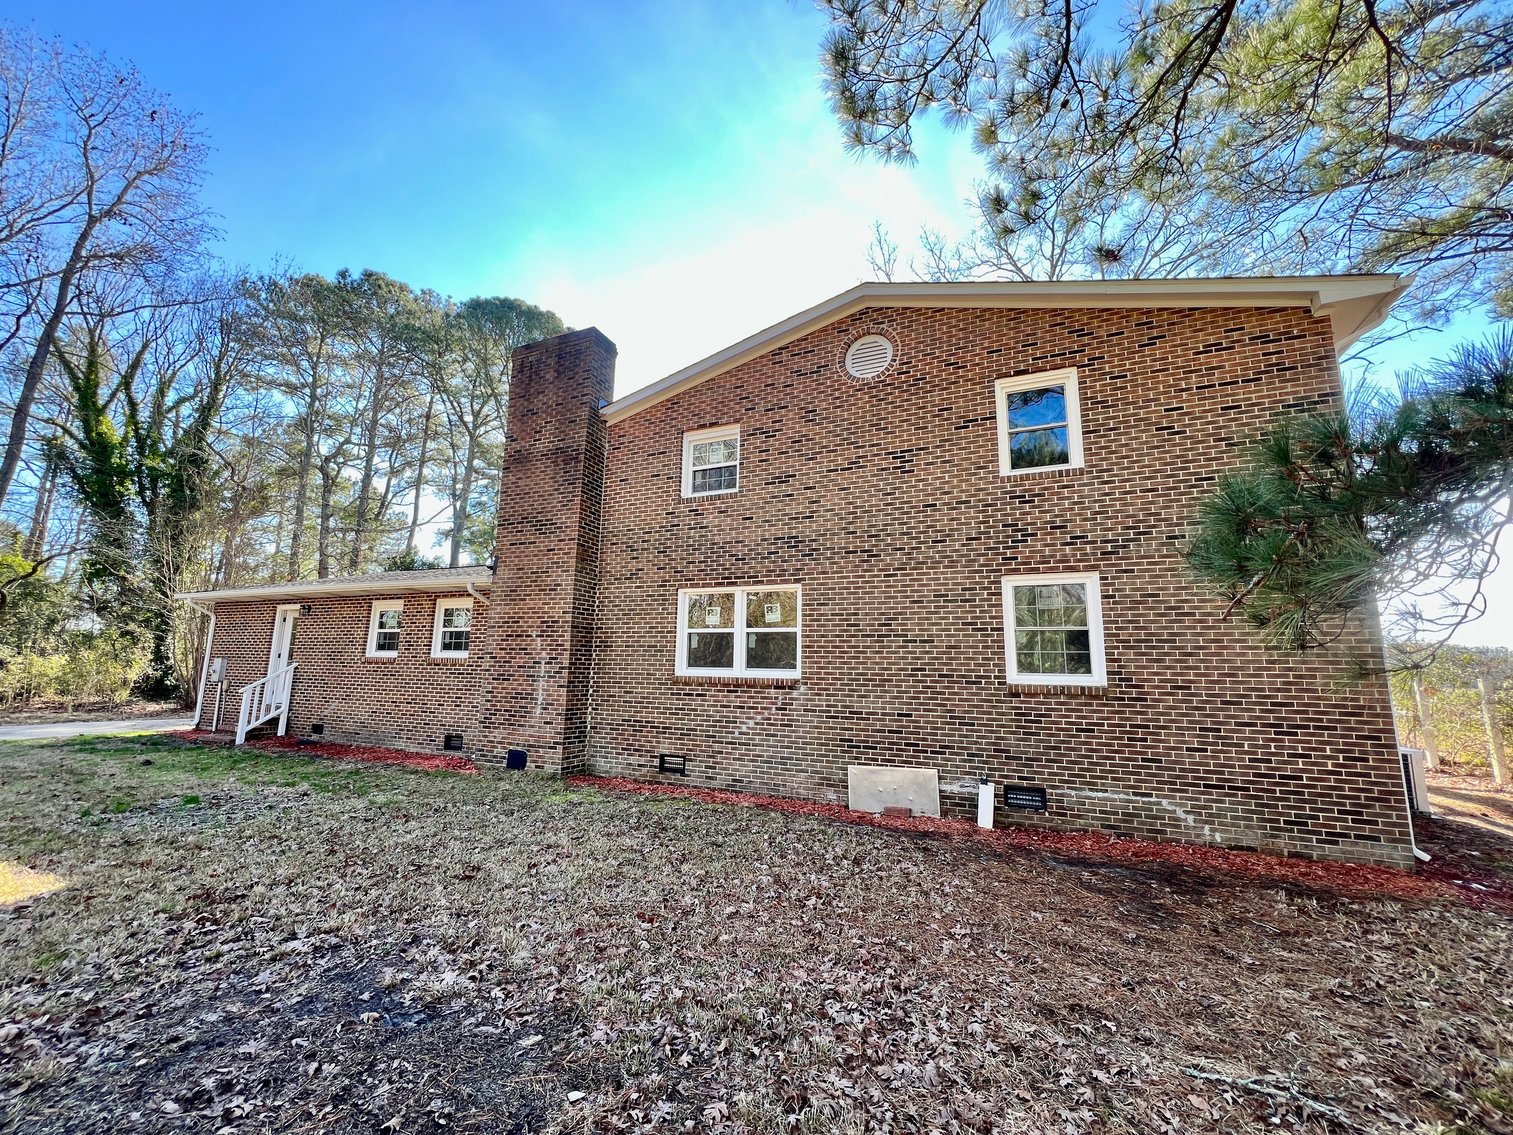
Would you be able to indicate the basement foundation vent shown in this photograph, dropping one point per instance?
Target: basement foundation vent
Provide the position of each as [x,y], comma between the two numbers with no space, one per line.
[869,356]
[673,763]
[318,728]
[1024,796]
[452,742]
[515,758]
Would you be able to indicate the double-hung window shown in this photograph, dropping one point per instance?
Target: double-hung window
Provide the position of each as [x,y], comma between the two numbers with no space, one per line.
[453,632]
[1039,422]
[383,628]
[739,631]
[711,461]
[1053,626]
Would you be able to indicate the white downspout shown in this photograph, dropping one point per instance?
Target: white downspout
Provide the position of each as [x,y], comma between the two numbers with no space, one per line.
[199,701]
[473,591]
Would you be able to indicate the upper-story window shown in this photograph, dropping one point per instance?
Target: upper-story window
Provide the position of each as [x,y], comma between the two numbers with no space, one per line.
[1039,423]
[453,633]
[711,461]
[383,628]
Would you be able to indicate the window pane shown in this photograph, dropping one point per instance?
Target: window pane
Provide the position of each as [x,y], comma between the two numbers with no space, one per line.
[772,609]
[1043,407]
[386,641]
[1034,449]
[715,611]
[388,620]
[714,452]
[1026,651]
[459,617]
[772,650]
[711,651]
[455,639]
[718,480]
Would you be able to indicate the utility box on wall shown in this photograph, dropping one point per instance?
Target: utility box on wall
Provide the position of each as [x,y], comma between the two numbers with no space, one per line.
[217,670]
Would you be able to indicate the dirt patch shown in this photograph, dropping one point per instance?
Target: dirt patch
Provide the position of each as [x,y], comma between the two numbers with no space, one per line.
[368,754]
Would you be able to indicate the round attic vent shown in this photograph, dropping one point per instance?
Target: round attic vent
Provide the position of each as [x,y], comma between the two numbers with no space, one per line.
[869,356]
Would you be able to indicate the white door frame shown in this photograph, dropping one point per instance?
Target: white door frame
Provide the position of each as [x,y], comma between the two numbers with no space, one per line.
[279,649]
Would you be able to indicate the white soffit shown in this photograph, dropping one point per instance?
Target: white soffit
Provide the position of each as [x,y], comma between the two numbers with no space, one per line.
[1354,305]
[377,584]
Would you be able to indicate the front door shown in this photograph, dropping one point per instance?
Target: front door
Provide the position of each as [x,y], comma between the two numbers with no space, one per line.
[280,654]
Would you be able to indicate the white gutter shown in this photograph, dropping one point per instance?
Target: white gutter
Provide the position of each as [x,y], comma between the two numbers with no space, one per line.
[315,588]
[473,591]
[199,701]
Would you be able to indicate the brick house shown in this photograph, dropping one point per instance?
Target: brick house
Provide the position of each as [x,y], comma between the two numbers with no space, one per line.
[926,532]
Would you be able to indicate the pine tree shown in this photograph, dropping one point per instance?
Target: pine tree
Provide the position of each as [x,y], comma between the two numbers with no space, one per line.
[1337,510]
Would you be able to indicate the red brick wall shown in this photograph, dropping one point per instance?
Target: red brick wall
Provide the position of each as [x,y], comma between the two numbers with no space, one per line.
[409,702]
[883,499]
[536,688]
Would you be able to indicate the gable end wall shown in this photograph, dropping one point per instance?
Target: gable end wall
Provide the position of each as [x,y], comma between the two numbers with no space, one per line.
[883,499]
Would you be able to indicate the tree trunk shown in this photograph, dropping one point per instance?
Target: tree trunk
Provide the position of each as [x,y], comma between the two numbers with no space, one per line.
[365,485]
[1426,738]
[42,511]
[323,543]
[460,504]
[302,492]
[1494,730]
[420,474]
[35,366]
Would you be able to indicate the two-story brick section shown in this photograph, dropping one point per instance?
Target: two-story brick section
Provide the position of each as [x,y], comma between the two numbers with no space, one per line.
[917,535]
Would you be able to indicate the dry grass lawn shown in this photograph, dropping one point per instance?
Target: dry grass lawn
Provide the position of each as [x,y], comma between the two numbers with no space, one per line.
[260,942]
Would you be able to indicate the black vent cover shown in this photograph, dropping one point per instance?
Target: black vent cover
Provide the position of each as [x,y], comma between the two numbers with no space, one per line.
[318,728]
[672,762]
[515,758]
[1024,796]
[452,742]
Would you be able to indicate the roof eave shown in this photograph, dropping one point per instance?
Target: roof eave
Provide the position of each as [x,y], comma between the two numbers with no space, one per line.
[1354,304]
[312,587]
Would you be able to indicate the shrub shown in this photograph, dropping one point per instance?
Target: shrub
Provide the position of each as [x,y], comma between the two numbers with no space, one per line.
[102,668]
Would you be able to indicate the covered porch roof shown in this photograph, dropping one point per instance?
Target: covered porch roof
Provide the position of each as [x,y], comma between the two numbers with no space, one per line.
[430,580]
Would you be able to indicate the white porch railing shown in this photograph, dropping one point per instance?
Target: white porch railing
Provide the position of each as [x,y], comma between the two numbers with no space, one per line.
[265,699]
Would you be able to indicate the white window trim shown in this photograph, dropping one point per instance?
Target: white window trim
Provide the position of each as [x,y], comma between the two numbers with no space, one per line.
[692,438]
[442,606]
[740,670]
[1099,676]
[1068,378]
[379,606]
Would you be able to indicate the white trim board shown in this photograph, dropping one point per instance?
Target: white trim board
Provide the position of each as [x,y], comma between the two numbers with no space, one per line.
[1354,305]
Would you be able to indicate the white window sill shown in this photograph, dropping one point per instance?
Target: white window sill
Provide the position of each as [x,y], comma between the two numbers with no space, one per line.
[711,493]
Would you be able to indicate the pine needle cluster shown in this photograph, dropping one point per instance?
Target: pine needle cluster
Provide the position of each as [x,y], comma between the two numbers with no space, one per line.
[1387,503]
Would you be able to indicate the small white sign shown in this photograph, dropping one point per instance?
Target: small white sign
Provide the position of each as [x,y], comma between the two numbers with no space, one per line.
[772,612]
[712,616]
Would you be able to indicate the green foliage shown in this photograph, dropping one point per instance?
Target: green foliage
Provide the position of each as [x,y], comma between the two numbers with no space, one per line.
[1334,510]
[1176,137]
[411,560]
[98,668]
[36,608]
[1447,676]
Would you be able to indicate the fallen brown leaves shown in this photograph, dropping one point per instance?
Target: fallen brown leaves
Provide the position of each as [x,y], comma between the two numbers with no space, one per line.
[318,945]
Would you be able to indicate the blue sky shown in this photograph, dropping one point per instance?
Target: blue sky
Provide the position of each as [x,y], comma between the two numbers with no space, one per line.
[668,172]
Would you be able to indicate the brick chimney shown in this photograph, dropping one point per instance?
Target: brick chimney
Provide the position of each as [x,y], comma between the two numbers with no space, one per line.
[535,678]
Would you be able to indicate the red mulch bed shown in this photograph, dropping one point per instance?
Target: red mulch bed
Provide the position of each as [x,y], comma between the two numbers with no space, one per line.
[371,754]
[1449,877]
